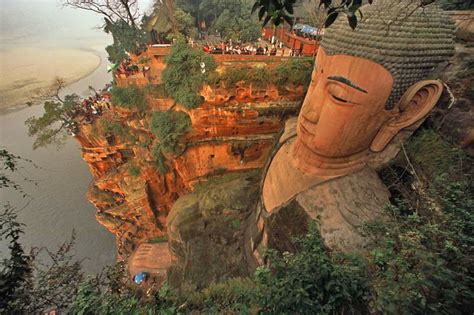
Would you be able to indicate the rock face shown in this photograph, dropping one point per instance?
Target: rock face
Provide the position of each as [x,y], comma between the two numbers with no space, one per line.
[232,131]
[206,230]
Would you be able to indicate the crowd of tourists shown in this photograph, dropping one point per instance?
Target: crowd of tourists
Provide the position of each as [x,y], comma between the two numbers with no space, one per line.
[228,48]
[87,110]
[127,67]
[277,48]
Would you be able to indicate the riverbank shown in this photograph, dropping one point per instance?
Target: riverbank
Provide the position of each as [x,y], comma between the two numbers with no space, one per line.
[56,204]
[28,73]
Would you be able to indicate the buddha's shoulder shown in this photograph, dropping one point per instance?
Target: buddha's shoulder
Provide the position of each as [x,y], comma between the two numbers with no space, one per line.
[341,206]
[289,131]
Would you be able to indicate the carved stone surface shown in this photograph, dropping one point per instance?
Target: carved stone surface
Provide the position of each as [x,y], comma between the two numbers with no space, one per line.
[206,231]
[371,88]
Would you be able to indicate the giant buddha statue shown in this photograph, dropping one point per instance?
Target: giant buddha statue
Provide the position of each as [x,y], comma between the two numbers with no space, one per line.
[371,88]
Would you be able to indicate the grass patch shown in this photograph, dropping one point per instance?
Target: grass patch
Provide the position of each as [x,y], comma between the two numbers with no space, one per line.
[131,97]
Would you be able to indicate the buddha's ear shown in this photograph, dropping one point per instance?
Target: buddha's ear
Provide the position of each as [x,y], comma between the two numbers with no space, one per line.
[414,105]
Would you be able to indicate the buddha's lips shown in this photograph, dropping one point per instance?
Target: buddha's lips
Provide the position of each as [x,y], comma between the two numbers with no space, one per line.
[305,125]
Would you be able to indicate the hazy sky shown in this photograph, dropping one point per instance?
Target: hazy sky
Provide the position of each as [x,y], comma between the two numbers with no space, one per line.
[47,23]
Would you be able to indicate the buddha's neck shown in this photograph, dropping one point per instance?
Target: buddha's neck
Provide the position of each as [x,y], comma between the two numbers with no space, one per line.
[310,162]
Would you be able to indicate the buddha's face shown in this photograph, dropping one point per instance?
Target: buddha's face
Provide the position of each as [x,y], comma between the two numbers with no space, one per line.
[344,107]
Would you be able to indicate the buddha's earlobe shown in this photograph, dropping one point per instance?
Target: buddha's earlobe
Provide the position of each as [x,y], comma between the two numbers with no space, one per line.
[414,105]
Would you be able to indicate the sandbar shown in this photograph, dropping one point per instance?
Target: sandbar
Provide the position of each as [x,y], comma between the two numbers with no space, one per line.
[27,73]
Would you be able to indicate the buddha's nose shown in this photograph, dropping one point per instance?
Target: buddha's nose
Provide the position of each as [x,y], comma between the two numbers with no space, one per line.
[311,111]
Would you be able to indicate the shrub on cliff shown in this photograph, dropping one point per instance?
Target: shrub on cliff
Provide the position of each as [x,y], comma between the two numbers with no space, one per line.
[169,127]
[133,170]
[54,126]
[156,91]
[184,74]
[131,97]
[111,127]
[126,39]
[422,258]
[295,71]
[313,281]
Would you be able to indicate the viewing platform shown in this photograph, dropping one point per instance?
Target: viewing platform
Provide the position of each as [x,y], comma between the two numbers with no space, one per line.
[151,63]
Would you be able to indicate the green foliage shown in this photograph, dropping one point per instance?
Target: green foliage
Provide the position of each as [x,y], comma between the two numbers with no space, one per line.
[15,271]
[27,285]
[420,264]
[112,127]
[56,281]
[50,128]
[278,11]
[312,281]
[131,97]
[92,299]
[296,71]
[422,257]
[235,295]
[115,128]
[456,4]
[9,163]
[159,239]
[435,156]
[235,224]
[145,141]
[232,19]
[133,170]
[235,22]
[183,77]
[169,127]
[159,159]
[185,22]
[156,91]
[127,38]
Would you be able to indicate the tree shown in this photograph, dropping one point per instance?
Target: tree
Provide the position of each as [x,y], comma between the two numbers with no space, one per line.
[122,19]
[10,164]
[52,126]
[16,271]
[231,18]
[56,282]
[185,23]
[126,39]
[236,23]
[278,11]
[113,10]
[313,14]
[186,71]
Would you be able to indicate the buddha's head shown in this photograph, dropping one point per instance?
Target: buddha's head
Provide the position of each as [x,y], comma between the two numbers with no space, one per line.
[372,82]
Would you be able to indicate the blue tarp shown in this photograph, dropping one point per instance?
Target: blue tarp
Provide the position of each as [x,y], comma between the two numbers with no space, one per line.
[297,26]
[306,29]
[139,277]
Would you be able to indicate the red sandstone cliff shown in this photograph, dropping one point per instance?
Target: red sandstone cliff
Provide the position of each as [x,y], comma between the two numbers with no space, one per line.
[233,130]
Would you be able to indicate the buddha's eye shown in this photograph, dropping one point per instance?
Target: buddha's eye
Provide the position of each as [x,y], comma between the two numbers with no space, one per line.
[338,94]
[339,99]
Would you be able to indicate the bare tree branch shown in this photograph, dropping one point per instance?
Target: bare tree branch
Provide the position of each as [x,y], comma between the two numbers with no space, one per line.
[114,10]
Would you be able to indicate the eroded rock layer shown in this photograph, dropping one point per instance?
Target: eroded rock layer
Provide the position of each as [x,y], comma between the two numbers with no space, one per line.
[232,131]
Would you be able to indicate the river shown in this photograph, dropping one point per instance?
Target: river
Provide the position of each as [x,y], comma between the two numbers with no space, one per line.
[56,203]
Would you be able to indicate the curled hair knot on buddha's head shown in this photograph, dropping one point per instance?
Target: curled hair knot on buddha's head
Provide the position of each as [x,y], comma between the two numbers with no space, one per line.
[408,40]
